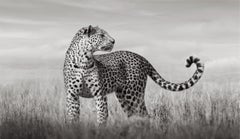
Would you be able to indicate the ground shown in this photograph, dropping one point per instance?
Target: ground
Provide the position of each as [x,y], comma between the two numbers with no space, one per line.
[34,108]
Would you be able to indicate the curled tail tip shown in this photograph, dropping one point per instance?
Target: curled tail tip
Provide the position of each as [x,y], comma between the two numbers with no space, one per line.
[192,60]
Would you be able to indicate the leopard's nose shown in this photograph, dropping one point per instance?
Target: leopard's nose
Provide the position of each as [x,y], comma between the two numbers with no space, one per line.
[112,41]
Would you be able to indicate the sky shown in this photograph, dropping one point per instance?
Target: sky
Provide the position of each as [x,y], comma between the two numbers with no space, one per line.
[35,34]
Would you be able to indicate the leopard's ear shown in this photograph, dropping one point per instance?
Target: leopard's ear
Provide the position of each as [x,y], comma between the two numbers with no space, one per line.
[90,30]
[84,30]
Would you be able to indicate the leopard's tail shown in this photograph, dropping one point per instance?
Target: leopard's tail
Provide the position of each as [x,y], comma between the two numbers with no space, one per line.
[178,86]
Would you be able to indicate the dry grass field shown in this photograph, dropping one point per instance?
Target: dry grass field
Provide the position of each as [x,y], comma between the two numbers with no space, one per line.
[34,108]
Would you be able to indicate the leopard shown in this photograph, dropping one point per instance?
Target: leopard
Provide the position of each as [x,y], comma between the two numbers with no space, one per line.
[124,73]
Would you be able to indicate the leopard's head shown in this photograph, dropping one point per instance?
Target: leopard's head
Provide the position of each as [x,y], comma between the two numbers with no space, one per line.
[95,39]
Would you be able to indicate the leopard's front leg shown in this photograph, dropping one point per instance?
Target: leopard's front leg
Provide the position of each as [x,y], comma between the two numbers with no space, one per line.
[73,105]
[102,109]
[73,87]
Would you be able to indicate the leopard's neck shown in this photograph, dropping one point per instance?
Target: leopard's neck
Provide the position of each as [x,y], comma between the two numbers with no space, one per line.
[81,58]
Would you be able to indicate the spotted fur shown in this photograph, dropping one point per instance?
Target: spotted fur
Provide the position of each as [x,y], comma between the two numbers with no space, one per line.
[122,72]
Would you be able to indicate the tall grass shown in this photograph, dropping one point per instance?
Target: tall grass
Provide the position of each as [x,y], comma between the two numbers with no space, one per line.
[35,108]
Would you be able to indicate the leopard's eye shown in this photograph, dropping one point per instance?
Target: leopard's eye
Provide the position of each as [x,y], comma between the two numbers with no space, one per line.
[102,35]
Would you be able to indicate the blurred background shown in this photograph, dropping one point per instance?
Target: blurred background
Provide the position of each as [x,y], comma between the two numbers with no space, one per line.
[34,35]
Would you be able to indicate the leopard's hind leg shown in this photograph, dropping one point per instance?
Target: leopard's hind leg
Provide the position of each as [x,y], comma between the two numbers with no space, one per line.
[131,98]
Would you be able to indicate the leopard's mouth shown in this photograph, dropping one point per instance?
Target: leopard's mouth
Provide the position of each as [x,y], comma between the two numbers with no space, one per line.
[107,48]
